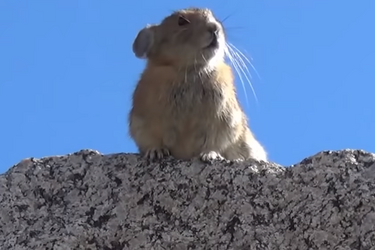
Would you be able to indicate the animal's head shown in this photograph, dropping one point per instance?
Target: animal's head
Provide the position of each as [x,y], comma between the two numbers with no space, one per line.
[187,37]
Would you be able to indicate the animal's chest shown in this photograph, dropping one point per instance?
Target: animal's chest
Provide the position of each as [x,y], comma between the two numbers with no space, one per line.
[193,95]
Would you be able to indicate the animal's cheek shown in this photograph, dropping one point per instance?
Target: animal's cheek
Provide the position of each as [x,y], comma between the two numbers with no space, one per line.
[204,39]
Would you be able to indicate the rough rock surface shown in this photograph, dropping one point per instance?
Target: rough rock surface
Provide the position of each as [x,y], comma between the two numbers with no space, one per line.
[87,200]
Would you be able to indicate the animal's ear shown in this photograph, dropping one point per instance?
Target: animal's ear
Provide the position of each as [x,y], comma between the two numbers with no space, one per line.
[143,42]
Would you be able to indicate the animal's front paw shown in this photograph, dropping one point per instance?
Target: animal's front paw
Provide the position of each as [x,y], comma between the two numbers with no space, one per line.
[210,156]
[238,160]
[156,153]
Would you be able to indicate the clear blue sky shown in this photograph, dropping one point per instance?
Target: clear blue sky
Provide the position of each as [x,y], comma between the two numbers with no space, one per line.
[67,72]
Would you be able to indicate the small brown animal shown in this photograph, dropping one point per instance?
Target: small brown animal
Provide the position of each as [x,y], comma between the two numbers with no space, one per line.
[185,102]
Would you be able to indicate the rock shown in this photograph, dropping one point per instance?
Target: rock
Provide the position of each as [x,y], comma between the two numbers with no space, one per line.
[87,200]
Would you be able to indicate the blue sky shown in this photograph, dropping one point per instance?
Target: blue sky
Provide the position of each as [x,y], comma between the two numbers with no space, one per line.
[67,72]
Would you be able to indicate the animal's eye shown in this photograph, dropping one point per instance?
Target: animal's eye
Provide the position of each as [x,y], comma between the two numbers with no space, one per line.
[182,21]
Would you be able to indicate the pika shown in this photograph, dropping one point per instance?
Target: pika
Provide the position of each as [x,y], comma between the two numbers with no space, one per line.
[185,102]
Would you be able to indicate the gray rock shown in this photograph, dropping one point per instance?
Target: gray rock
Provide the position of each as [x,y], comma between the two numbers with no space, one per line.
[87,200]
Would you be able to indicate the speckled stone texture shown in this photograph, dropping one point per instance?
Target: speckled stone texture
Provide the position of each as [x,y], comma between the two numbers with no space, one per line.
[87,200]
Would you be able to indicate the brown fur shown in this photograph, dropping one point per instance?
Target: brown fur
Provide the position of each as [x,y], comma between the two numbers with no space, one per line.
[184,106]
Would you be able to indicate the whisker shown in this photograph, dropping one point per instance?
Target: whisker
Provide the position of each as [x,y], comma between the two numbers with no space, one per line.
[239,58]
[234,27]
[195,66]
[204,58]
[229,53]
[243,64]
[246,76]
[252,66]
[243,56]
[227,17]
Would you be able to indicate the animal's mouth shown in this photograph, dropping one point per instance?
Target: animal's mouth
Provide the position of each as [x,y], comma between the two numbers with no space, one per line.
[214,41]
